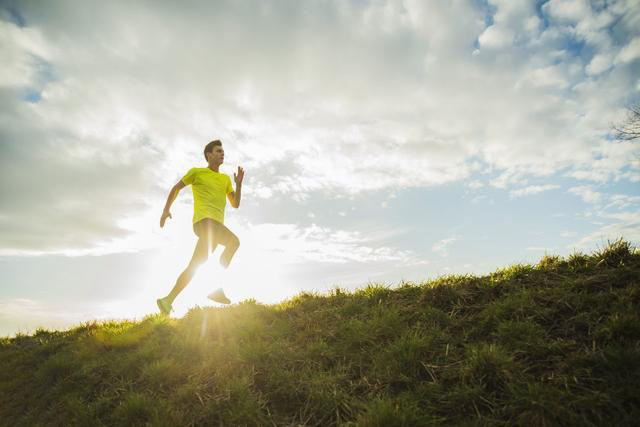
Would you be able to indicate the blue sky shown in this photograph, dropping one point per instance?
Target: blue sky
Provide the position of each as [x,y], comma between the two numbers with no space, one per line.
[383,141]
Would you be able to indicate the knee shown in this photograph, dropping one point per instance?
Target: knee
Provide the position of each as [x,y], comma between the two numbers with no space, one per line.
[231,243]
[235,242]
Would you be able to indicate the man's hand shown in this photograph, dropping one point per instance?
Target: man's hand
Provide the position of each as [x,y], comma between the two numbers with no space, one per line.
[163,218]
[238,178]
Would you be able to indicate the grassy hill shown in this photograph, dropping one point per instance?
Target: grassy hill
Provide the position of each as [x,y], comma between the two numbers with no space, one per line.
[556,343]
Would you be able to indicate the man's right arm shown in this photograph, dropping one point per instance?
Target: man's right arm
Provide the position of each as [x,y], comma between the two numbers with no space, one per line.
[172,196]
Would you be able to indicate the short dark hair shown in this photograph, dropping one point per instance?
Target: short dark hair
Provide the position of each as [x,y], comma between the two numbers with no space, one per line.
[209,147]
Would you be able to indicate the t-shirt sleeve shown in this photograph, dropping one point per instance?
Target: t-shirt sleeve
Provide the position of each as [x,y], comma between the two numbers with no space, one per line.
[229,186]
[189,177]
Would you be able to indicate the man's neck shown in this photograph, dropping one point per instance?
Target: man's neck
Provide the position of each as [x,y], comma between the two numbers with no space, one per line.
[214,167]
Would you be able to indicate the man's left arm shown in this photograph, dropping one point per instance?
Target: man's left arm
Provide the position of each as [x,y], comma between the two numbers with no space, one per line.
[235,196]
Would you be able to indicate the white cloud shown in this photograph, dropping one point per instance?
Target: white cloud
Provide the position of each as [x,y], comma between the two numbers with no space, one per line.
[609,159]
[515,21]
[569,10]
[551,76]
[509,177]
[599,63]
[496,37]
[441,247]
[621,201]
[586,193]
[259,190]
[532,189]
[627,227]
[290,244]
[21,51]
[630,52]
[607,208]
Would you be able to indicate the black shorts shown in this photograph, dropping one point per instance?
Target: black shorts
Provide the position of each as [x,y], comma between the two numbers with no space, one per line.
[215,232]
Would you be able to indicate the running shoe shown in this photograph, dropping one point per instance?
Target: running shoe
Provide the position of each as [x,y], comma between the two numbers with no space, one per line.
[219,296]
[164,306]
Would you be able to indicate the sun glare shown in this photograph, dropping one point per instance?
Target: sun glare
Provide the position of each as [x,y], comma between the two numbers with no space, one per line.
[255,272]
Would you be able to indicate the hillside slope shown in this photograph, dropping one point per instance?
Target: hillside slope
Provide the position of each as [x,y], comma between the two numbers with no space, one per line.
[556,343]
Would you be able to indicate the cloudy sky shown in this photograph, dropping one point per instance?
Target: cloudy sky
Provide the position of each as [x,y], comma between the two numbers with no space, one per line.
[383,141]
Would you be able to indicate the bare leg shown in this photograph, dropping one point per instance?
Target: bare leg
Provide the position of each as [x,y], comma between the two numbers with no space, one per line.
[200,255]
[230,241]
[231,245]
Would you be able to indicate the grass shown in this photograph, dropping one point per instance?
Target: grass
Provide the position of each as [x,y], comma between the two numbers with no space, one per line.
[555,343]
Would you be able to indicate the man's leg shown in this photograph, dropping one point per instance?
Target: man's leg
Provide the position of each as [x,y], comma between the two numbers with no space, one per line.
[230,242]
[200,255]
[224,237]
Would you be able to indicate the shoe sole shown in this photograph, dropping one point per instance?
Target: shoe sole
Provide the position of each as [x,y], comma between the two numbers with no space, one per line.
[220,300]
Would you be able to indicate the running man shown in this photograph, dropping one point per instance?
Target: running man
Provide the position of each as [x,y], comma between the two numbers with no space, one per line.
[209,190]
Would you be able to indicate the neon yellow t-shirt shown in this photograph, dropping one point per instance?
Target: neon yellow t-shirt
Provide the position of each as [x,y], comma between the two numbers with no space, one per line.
[210,191]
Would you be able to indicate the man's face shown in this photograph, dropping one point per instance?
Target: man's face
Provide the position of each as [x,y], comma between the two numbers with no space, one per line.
[217,155]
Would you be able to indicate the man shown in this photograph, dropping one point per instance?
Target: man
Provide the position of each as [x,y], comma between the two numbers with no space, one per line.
[209,190]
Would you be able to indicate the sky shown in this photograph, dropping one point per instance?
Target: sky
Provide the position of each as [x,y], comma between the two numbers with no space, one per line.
[383,142]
